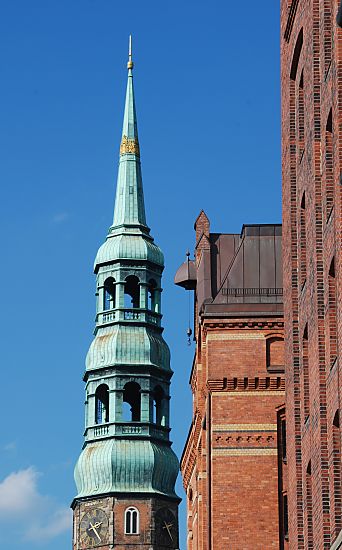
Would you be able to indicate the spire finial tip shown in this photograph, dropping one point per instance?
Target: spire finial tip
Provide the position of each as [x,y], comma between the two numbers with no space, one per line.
[130,63]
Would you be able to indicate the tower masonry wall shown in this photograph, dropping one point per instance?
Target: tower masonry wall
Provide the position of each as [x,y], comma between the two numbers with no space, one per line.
[148,537]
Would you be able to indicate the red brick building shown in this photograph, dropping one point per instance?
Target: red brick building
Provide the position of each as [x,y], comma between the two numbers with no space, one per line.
[311,58]
[230,463]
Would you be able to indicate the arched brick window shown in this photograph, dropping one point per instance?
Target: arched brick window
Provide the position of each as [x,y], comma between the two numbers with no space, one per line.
[275,354]
[332,314]
[302,242]
[131,521]
[336,474]
[305,367]
[309,524]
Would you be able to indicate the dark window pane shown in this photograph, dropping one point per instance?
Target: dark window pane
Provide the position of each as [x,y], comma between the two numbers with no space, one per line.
[128,521]
[134,522]
[286,519]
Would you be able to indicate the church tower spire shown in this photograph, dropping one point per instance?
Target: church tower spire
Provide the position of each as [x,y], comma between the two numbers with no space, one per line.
[129,209]
[126,473]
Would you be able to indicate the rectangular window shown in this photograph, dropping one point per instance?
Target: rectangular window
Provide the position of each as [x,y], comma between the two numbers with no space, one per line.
[301,123]
[305,367]
[336,467]
[332,314]
[283,438]
[329,168]
[309,524]
[302,243]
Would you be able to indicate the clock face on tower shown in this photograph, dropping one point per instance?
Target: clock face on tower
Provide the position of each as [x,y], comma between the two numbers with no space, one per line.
[94,528]
[166,528]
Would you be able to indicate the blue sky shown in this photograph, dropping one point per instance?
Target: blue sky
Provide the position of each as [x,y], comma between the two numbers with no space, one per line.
[207,92]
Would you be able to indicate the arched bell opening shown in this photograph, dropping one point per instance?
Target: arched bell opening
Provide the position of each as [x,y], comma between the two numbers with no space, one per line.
[153,296]
[131,402]
[102,404]
[109,294]
[159,406]
[132,292]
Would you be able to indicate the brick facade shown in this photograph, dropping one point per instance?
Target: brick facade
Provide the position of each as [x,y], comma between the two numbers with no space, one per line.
[311,56]
[230,461]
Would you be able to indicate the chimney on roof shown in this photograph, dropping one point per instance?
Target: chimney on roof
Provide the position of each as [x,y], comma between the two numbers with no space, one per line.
[202,226]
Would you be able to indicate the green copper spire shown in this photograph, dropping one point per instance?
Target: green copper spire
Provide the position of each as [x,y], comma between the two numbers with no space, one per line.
[127,448]
[129,208]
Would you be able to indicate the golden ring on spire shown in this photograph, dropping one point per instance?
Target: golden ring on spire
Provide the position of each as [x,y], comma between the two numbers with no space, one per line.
[129,146]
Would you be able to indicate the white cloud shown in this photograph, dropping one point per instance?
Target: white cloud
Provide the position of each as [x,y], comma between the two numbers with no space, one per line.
[60,522]
[26,511]
[18,492]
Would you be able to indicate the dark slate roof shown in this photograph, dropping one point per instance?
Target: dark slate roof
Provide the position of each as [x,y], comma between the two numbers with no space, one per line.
[239,274]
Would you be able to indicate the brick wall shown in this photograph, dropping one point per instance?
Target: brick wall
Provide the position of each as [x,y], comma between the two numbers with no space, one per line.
[230,462]
[311,53]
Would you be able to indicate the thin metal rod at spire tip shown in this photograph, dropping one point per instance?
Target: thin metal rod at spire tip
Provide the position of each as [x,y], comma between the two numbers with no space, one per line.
[130,63]
[130,48]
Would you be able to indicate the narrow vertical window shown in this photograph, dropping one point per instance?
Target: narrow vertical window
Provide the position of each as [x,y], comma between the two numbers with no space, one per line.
[309,524]
[283,437]
[329,168]
[305,367]
[102,404]
[301,123]
[337,476]
[285,516]
[132,521]
[332,314]
[282,496]
[302,242]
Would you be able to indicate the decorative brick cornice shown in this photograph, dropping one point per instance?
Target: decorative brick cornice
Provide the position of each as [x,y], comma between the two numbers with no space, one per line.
[256,384]
[257,324]
[245,440]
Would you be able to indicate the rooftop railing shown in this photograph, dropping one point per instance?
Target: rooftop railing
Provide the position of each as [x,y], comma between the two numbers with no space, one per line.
[124,314]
